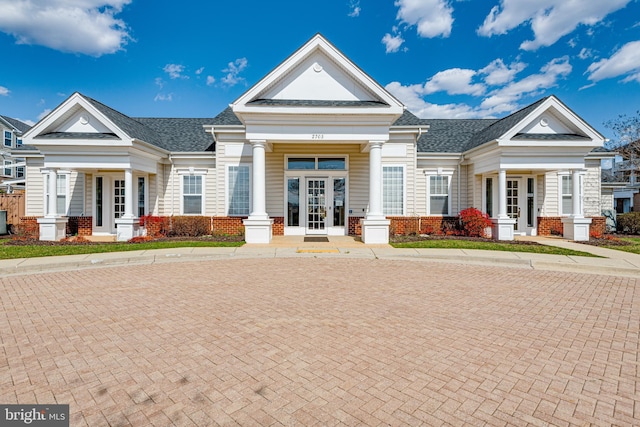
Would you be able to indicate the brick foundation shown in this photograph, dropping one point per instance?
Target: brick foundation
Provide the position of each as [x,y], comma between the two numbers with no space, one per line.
[438,224]
[80,225]
[29,227]
[278,225]
[230,225]
[354,226]
[550,226]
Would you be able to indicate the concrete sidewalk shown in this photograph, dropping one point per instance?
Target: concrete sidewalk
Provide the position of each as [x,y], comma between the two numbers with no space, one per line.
[615,263]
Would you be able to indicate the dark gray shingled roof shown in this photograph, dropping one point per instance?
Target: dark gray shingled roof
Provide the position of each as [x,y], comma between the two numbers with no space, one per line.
[450,135]
[408,119]
[502,126]
[77,135]
[317,103]
[17,124]
[180,134]
[226,118]
[551,137]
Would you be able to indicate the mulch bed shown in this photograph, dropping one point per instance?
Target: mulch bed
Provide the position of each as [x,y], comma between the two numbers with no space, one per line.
[72,242]
[419,238]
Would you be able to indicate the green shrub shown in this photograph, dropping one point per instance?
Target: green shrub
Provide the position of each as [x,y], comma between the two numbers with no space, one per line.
[190,226]
[629,223]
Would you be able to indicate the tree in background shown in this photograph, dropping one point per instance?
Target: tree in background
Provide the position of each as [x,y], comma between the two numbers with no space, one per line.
[626,143]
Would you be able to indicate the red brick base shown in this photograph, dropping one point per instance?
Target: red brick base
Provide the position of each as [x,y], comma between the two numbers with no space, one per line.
[354,226]
[29,227]
[80,225]
[552,226]
[230,225]
[278,225]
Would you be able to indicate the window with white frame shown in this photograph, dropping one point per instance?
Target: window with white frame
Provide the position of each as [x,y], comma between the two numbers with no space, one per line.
[7,170]
[192,194]
[393,190]
[18,142]
[8,137]
[566,194]
[438,195]
[238,190]
[20,172]
[61,193]
[142,210]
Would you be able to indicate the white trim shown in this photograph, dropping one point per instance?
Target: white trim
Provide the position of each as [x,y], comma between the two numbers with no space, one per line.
[562,174]
[4,138]
[316,157]
[226,188]
[7,164]
[404,187]
[67,198]
[136,194]
[449,198]
[202,195]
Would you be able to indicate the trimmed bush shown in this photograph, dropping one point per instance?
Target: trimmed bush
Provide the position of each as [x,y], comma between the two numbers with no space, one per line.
[474,223]
[629,223]
[190,226]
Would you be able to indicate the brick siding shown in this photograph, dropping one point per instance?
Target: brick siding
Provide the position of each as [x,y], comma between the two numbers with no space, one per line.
[80,225]
[230,225]
[552,225]
[278,225]
[29,227]
[354,226]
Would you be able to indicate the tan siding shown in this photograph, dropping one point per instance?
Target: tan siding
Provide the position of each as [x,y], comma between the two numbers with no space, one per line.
[152,184]
[275,183]
[210,192]
[76,193]
[591,193]
[464,200]
[34,203]
[606,199]
[219,204]
[408,162]
[539,195]
[550,203]
[88,201]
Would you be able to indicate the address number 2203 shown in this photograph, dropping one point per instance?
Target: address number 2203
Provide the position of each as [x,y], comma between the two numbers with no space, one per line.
[317,136]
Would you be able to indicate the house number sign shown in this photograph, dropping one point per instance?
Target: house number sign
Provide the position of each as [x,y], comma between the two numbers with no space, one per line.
[317,136]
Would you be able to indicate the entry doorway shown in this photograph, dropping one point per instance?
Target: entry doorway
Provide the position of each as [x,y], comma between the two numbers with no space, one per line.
[325,205]
[521,202]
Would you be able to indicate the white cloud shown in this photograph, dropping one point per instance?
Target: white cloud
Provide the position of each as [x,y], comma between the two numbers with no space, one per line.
[4,91]
[392,43]
[27,121]
[199,70]
[78,26]
[159,82]
[454,81]
[44,113]
[355,9]
[497,73]
[175,71]
[163,97]
[626,61]
[233,70]
[210,80]
[500,101]
[549,19]
[433,18]
[585,53]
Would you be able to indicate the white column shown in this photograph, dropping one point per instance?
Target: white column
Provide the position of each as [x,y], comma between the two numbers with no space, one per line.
[375,180]
[259,178]
[575,181]
[52,211]
[502,194]
[128,194]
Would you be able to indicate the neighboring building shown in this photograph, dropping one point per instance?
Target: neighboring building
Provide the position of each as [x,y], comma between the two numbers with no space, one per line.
[315,147]
[13,169]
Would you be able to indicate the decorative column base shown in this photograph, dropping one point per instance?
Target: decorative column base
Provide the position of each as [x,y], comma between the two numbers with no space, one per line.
[375,231]
[258,230]
[53,229]
[127,228]
[502,228]
[576,229]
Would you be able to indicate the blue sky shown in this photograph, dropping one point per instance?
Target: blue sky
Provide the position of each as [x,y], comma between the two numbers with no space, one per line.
[442,58]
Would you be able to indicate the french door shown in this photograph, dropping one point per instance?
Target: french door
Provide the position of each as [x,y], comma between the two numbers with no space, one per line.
[521,204]
[108,203]
[325,205]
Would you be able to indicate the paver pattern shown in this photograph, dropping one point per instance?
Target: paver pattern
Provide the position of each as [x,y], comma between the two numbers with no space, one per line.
[306,341]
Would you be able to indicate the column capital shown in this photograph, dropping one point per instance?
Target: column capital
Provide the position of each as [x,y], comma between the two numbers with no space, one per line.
[258,142]
[376,143]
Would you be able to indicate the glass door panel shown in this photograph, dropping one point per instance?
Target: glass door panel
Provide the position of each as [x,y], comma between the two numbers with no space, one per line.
[513,210]
[316,206]
[339,202]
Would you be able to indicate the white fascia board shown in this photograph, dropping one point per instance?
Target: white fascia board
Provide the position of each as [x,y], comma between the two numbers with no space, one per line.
[206,155]
[316,42]
[149,148]
[590,145]
[439,156]
[389,114]
[601,155]
[567,113]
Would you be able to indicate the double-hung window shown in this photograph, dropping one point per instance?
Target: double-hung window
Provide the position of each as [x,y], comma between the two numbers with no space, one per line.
[566,189]
[8,137]
[393,190]
[7,170]
[438,197]
[191,194]
[238,190]
[61,193]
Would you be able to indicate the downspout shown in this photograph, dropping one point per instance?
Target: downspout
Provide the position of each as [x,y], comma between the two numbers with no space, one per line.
[172,192]
[459,166]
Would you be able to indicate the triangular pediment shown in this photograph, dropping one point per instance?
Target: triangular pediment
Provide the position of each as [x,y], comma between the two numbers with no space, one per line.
[319,76]
[552,121]
[76,118]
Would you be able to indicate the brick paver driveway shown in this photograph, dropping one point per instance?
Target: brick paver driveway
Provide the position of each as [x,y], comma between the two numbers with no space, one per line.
[323,341]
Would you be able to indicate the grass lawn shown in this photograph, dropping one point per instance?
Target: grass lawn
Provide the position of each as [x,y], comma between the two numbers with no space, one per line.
[38,250]
[489,246]
[633,245]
